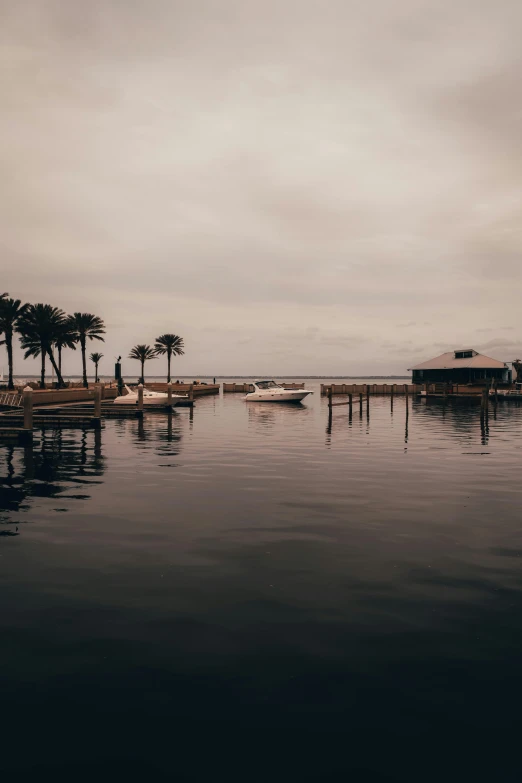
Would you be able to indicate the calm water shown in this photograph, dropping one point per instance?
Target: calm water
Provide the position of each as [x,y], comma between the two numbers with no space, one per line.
[248,593]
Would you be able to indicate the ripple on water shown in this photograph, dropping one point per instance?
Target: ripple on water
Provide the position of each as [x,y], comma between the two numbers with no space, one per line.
[215,557]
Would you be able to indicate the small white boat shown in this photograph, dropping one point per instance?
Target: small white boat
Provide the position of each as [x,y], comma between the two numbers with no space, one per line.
[270,391]
[149,397]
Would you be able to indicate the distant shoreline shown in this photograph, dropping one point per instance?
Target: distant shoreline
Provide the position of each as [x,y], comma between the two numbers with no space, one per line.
[242,377]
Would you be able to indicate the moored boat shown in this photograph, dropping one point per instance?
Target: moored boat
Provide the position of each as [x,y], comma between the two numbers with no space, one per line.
[149,397]
[270,391]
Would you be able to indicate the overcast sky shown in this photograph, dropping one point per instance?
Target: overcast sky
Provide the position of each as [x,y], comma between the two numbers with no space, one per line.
[294,186]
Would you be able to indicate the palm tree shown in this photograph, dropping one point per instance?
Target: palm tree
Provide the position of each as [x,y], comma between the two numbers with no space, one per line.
[169,344]
[87,327]
[66,338]
[11,310]
[96,358]
[39,327]
[142,353]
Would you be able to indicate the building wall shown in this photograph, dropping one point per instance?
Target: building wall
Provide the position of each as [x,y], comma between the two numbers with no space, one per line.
[461,375]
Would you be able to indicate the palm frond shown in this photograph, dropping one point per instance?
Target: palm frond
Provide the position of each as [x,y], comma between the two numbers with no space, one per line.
[66,335]
[169,343]
[142,353]
[87,326]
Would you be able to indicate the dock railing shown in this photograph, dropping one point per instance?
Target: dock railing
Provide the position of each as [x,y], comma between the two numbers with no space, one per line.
[10,400]
[370,388]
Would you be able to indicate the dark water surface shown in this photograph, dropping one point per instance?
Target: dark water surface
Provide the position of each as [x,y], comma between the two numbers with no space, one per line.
[247,593]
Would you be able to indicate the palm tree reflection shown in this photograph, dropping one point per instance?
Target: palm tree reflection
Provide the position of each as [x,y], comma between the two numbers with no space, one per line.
[62,461]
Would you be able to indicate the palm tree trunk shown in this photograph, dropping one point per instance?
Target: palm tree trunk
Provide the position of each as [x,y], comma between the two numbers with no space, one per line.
[42,373]
[84,363]
[168,364]
[95,372]
[60,358]
[143,371]
[59,378]
[9,346]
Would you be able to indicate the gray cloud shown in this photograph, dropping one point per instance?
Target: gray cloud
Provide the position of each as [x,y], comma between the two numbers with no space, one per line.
[288,185]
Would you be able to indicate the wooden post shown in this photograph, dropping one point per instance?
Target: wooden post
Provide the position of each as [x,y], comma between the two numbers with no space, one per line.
[191,392]
[28,408]
[350,404]
[392,390]
[329,425]
[97,400]
[330,393]
[140,397]
[367,393]
[407,419]
[96,421]
[406,391]
[483,403]
[169,394]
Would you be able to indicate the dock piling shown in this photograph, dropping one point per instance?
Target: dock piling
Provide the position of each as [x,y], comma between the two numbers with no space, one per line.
[169,394]
[140,399]
[28,408]
[96,421]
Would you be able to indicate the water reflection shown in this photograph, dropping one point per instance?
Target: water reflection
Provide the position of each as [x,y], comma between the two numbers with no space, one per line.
[61,461]
[162,432]
[265,416]
[267,571]
[425,418]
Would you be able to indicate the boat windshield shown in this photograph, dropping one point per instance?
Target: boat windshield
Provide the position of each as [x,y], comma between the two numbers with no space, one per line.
[267,385]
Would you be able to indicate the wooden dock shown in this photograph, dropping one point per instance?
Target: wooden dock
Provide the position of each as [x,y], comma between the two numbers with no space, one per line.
[391,389]
[18,422]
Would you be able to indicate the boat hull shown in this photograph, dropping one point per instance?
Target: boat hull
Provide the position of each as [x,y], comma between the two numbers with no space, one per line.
[282,396]
[148,401]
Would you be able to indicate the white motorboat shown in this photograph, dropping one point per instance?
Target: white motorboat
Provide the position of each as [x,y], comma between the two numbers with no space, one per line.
[149,397]
[270,391]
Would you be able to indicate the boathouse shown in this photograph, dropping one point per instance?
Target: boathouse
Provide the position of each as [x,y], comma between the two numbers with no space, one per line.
[462,366]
